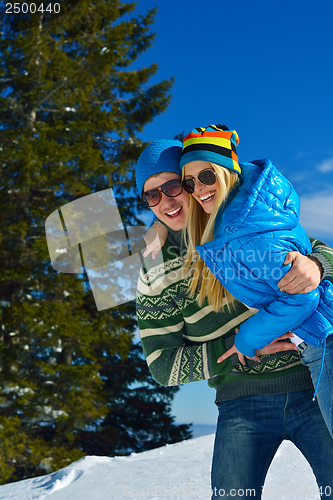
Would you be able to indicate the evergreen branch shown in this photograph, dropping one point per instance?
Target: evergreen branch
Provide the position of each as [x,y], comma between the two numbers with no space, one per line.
[64,81]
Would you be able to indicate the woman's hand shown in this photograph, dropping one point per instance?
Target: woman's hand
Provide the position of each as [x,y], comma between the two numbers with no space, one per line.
[304,275]
[155,238]
[276,345]
[241,356]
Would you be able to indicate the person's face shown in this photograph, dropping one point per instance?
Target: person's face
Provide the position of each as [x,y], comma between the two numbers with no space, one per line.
[171,211]
[204,194]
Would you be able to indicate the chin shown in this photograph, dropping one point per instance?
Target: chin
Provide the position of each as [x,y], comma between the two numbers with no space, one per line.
[175,227]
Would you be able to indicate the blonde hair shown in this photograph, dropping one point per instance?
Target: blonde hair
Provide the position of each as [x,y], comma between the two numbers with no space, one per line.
[199,229]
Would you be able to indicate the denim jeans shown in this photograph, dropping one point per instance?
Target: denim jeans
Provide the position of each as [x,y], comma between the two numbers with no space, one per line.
[311,357]
[249,432]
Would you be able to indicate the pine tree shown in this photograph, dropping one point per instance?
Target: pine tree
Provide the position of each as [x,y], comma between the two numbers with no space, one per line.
[139,416]
[71,106]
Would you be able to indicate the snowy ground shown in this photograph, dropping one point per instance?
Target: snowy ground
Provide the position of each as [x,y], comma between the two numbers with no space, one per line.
[180,470]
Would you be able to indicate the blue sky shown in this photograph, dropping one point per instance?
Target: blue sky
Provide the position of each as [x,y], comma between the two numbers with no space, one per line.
[264,69]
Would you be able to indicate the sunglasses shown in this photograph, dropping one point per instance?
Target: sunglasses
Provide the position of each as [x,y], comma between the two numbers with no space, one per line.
[171,189]
[206,177]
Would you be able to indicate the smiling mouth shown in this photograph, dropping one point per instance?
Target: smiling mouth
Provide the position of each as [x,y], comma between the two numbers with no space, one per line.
[174,212]
[207,197]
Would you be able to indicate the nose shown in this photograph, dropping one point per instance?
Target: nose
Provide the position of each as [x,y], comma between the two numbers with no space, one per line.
[166,200]
[198,185]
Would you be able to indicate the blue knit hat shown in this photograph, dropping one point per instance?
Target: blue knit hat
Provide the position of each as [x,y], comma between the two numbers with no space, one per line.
[162,155]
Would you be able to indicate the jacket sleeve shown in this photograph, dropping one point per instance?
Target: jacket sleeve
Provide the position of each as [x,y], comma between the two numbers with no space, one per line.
[263,261]
[173,359]
[324,254]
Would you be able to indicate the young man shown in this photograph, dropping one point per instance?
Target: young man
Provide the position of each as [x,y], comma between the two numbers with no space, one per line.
[260,404]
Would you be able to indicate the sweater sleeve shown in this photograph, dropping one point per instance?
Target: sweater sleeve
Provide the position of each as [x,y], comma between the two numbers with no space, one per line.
[324,254]
[172,357]
[285,312]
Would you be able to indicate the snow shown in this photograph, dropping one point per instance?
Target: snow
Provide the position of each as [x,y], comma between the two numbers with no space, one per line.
[181,470]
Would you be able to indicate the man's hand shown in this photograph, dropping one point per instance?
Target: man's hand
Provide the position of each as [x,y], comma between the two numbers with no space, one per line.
[304,275]
[277,345]
[155,238]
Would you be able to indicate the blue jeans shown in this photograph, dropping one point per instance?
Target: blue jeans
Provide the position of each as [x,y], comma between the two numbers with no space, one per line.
[249,432]
[311,356]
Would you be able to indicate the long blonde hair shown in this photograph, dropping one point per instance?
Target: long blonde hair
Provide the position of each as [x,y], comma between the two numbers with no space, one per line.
[199,229]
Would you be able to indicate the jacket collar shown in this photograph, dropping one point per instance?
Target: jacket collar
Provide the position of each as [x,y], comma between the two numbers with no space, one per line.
[262,197]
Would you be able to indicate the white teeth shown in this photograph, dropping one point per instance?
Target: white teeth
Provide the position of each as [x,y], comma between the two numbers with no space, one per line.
[174,211]
[209,195]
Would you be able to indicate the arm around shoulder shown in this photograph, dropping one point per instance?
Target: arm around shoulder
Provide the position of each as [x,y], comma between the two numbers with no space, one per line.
[324,254]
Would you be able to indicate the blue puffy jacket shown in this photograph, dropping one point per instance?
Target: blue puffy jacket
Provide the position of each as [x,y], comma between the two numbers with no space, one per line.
[253,233]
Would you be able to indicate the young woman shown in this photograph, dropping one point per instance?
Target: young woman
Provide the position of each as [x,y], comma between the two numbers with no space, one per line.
[243,220]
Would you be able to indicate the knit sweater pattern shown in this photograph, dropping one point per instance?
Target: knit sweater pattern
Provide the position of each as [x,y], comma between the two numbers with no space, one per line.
[182,341]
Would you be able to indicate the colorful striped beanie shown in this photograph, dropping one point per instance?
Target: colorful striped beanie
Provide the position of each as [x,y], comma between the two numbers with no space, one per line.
[162,155]
[211,144]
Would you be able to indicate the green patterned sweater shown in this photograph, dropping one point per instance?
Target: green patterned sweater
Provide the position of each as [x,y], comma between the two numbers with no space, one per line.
[182,341]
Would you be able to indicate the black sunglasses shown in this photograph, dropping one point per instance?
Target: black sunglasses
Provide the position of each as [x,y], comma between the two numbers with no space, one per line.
[206,177]
[172,188]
